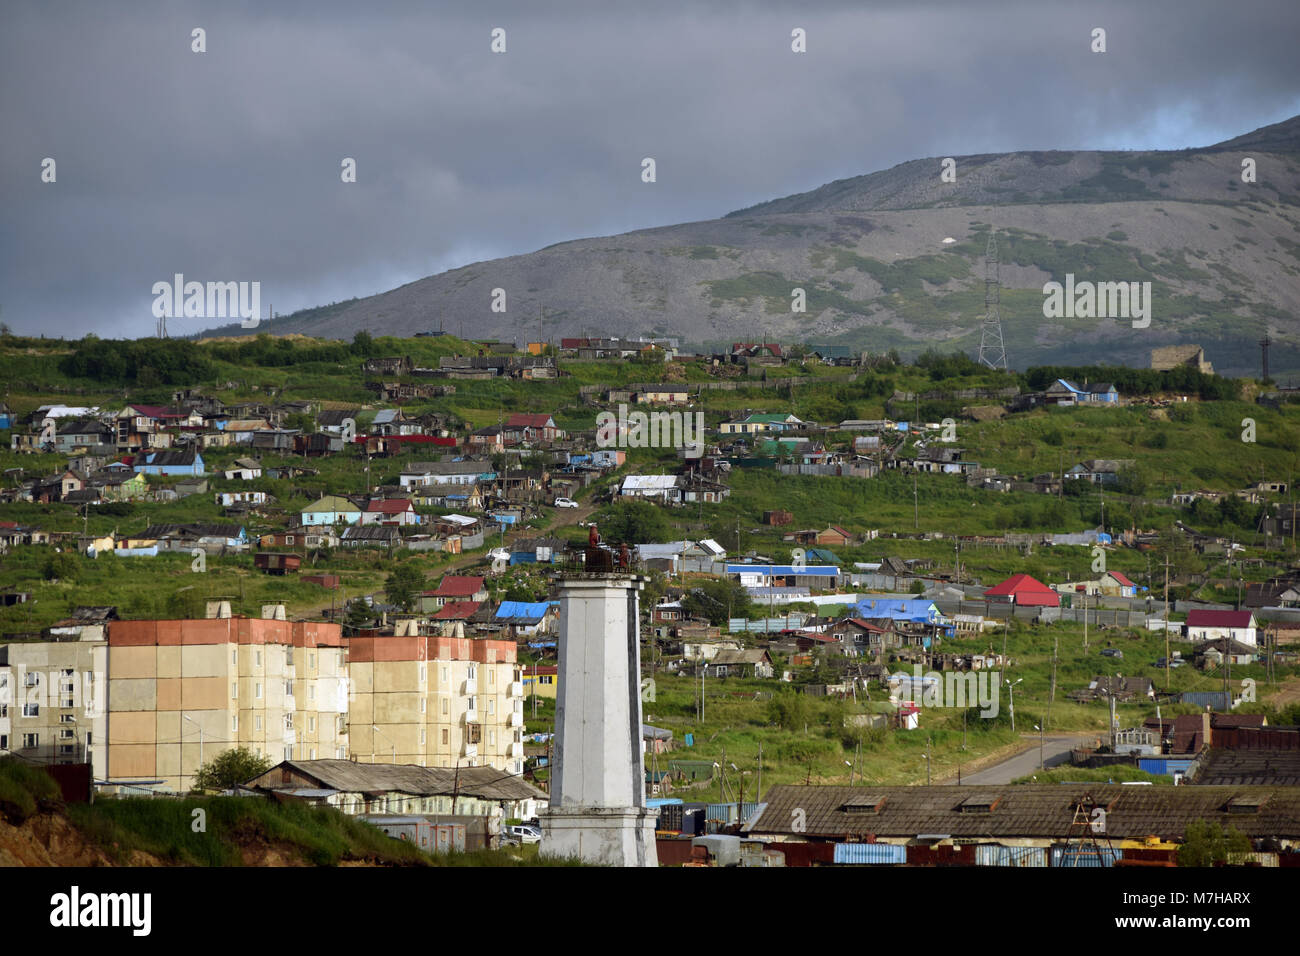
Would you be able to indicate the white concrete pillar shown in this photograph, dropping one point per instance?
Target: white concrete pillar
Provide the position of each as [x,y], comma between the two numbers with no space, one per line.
[597,802]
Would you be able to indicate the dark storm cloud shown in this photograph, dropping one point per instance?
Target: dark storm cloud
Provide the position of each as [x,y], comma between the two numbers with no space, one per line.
[225,165]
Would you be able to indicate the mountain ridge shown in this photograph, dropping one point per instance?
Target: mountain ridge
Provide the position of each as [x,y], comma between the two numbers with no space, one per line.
[870,255]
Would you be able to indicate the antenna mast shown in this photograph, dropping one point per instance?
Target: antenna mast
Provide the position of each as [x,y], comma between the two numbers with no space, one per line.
[992,351]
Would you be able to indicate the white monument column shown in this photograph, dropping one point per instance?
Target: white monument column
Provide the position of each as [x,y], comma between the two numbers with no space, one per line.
[597,802]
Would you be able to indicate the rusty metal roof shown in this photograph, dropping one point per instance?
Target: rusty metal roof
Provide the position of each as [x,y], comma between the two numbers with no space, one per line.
[486,783]
[1041,811]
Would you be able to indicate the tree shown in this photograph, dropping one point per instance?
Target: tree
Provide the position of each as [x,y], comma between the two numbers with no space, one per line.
[636,522]
[61,566]
[1205,844]
[358,615]
[230,768]
[404,585]
[363,343]
[716,599]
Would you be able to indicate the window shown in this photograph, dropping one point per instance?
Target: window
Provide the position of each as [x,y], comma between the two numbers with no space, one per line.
[492,678]
[471,703]
[4,741]
[312,753]
[234,689]
[311,725]
[31,741]
[492,705]
[257,658]
[548,679]
[288,721]
[67,719]
[311,691]
[472,672]
[421,736]
[444,736]
[234,723]
[311,660]
[424,705]
[31,710]
[423,674]
[473,733]
[32,680]
[288,539]
[234,655]
[444,706]
[257,691]
[288,688]
[67,750]
[66,733]
[492,738]
[69,702]
[288,753]
[444,675]
[257,722]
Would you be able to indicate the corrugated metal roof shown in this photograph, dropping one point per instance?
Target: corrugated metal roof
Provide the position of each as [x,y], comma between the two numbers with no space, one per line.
[1032,811]
[348,777]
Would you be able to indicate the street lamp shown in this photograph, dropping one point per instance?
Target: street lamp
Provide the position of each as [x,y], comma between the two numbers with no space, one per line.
[1012,691]
[1041,765]
[200,726]
[376,730]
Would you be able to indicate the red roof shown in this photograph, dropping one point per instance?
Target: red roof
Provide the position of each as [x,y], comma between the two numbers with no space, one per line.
[860,622]
[550,670]
[1023,589]
[158,411]
[458,585]
[524,420]
[456,611]
[1122,580]
[389,506]
[1218,618]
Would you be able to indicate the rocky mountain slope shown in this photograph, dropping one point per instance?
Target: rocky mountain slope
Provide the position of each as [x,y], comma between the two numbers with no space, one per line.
[1222,257]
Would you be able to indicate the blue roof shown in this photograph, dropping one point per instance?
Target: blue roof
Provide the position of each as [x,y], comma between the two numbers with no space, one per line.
[815,569]
[896,609]
[522,610]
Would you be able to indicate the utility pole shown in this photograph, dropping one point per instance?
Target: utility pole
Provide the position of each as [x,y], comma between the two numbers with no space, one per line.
[1166,620]
[1051,696]
[916,511]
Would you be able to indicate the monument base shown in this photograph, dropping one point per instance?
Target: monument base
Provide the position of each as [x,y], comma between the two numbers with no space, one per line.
[602,836]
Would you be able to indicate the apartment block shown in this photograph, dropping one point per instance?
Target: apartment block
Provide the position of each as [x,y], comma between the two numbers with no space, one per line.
[181,692]
[436,701]
[52,700]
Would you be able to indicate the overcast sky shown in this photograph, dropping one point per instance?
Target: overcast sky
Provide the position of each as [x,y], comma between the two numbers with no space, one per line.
[225,165]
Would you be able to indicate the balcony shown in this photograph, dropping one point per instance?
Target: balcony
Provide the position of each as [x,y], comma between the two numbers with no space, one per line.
[516,719]
[469,750]
[470,688]
[515,750]
[470,717]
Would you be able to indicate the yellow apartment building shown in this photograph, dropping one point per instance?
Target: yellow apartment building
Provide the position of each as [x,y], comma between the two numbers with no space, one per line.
[436,701]
[181,692]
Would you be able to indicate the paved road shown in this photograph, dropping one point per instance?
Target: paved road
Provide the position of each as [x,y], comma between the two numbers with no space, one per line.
[1056,750]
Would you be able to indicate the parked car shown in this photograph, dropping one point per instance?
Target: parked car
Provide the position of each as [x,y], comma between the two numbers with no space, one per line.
[565,503]
[1112,652]
[1176,662]
[525,833]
